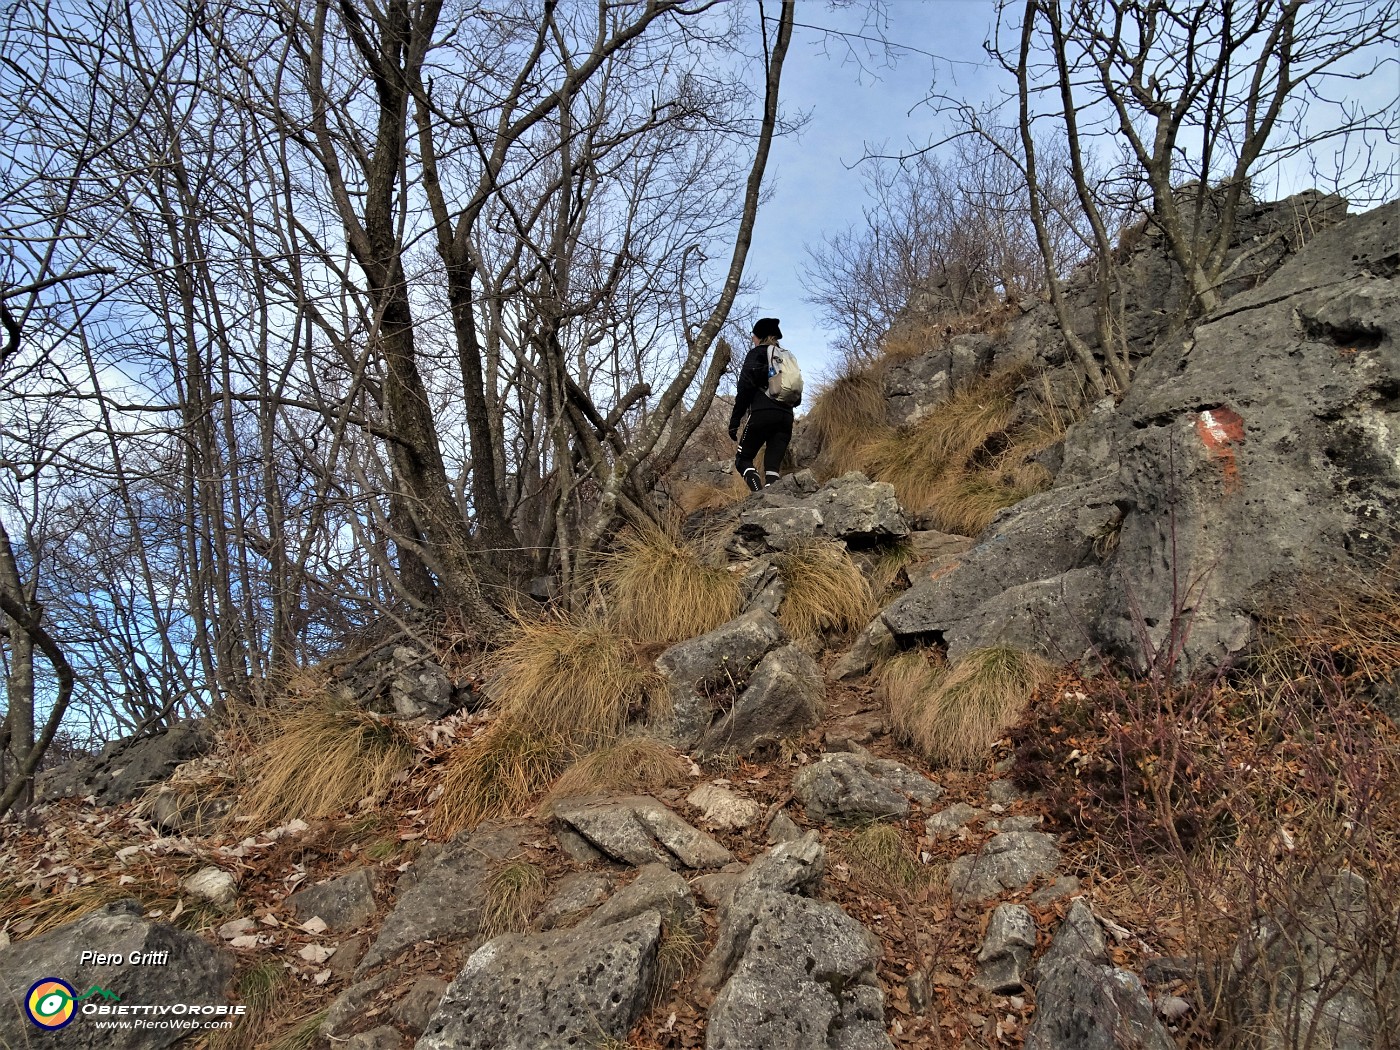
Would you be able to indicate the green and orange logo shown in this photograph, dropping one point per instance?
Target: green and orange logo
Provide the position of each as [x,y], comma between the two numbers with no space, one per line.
[51,1003]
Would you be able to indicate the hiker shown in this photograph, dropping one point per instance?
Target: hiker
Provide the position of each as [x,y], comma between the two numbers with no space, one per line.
[768,400]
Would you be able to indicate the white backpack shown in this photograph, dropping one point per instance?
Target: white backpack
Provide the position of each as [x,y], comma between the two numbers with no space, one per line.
[784,377]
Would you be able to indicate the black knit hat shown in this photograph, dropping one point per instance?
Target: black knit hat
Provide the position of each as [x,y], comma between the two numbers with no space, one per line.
[767,328]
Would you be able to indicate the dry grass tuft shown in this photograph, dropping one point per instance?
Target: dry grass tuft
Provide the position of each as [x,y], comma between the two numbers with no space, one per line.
[955,718]
[826,591]
[302,1035]
[574,678]
[906,681]
[692,496]
[682,947]
[320,755]
[842,415]
[664,589]
[626,765]
[259,989]
[882,862]
[513,892]
[36,915]
[497,774]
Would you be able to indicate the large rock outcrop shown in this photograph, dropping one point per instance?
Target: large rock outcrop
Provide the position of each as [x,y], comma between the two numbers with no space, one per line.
[1264,446]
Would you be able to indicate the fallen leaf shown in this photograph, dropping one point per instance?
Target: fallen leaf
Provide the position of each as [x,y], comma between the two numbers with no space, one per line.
[316,953]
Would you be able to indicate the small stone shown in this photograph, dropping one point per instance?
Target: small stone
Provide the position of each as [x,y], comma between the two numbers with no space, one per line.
[213,884]
[717,888]
[917,989]
[948,821]
[783,829]
[381,1038]
[1063,886]
[343,903]
[574,894]
[416,1007]
[1003,791]
[722,808]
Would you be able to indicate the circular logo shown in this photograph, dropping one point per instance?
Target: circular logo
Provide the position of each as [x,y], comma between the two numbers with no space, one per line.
[50,1003]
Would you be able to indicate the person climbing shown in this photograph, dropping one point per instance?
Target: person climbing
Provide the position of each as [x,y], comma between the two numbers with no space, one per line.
[768,402]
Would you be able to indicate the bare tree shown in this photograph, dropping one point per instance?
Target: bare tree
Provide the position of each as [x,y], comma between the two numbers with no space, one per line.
[1212,94]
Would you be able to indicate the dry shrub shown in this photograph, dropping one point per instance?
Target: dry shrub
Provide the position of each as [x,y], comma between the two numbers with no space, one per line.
[682,947]
[574,678]
[627,765]
[664,589]
[882,862]
[513,892]
[320,754]
[964,712]
[826,591]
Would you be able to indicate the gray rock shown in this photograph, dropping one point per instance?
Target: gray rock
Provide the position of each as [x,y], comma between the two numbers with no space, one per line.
[574,893]
[1260,446]
[948,821]
[851,508]
[195,971]
[184,811]
[1008,861]
[844,787]
[716,889]
[1320,974]
[713,662]
[721,808]
[349,1007]
[656,888]
[1082,1003]
[914,386]
[1020,822]
[123,770]
[763,588]
[791,867]
[343,903]
[1061,887]
[417,1005]
[784,696]
[383,1037]
[420,688]
[859,512]
[577,848]
[441,899]
[1006,949]
[213,884]
[549,991]
[798,985]
[637,829]
[782,829]
[874,643]
[1003,792]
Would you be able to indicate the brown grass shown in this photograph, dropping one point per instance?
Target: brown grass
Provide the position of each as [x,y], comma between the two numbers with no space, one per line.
[826,591]
[955,718]
[320,755]
[497,774]
[882,862]
[905,681]
[692,496]
[260,989]
[663,589]
[629,764]
[574,678]
[513,892]
[841,414]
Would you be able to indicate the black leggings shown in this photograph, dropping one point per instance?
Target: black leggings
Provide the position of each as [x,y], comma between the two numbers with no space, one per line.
[770,430]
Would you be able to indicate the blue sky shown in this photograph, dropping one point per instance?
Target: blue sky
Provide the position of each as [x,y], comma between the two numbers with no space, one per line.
[856,101]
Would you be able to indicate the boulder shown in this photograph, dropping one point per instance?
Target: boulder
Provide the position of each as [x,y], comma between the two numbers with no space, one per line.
[123,770]
[420,687]
[721,808]
[183,968]
[342,903]
[656,888]
[441,897]
[851,508]
[847,787]
[1009,861]
[637,829]
[784,697]
[1321,975]
[1083,1003]
[1006,949]
[1261,446]
[550,991]
[715,662]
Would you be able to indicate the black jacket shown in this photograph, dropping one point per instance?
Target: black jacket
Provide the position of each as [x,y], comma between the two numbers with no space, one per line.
[752,394]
